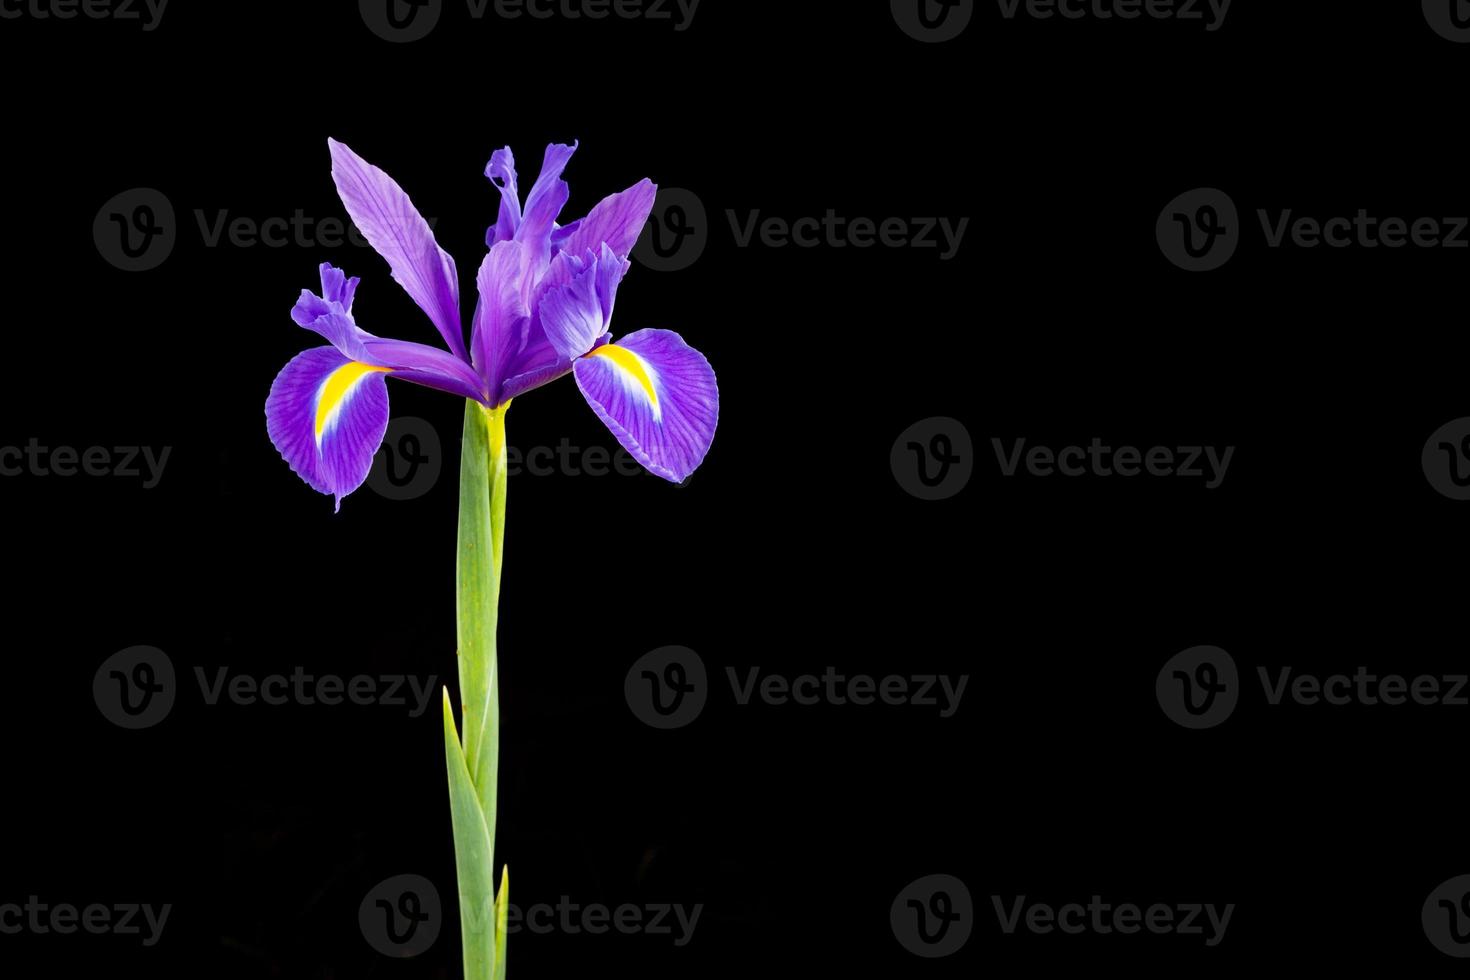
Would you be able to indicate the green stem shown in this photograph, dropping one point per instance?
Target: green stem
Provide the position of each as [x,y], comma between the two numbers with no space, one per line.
[473,763]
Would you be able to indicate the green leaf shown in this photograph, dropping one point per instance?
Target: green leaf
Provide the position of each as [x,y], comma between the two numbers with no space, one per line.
[502,920]
[479,919]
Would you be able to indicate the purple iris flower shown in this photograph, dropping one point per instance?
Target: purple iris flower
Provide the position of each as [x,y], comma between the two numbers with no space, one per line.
[546,294]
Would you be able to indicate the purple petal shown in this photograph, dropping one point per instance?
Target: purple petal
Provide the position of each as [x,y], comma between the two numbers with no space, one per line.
[330,314]
[537,372]
[336,296]
[424,365]
[573,316]
[501,316]
[617,220]
[389,221]
[336,287]
[342,333]
[545,201]
[502,173]
[659,397]
[326,415]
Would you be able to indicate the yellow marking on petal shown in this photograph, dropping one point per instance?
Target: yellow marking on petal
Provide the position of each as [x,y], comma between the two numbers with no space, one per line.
[633,365]
[334,391]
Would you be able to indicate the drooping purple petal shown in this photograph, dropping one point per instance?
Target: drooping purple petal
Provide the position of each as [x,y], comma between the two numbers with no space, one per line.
[617,220]
[534,372]
[330,316]
[326,415]
[425,365]
[342,333]
[657,395]
[575,314]
[392,225]
[544,203]
[501,316]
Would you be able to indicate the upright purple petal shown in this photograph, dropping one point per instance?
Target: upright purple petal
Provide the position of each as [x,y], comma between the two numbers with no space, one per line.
[336,296]
[544,203]
[330,314]
[658,396]
[502,173]
[326,415]
[389,221]
[573,316]
[502,318]
[617,220]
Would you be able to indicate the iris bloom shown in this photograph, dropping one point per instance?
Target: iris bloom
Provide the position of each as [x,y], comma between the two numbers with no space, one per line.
[546,295]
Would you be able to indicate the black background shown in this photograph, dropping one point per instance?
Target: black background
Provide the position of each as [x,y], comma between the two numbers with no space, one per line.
[793,548]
